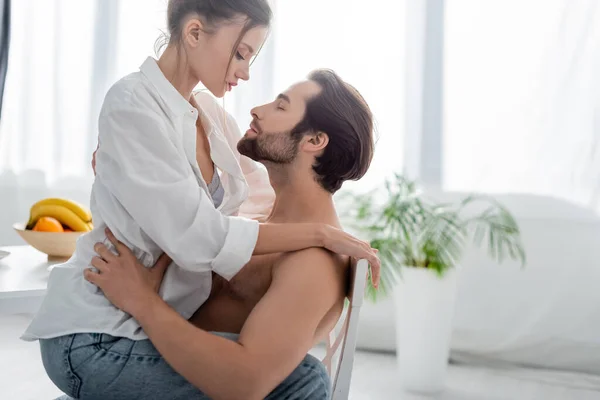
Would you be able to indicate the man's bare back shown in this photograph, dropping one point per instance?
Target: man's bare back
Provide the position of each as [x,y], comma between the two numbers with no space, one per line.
[230,303]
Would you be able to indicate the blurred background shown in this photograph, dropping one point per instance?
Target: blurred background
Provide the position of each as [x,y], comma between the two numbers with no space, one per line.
[498,97]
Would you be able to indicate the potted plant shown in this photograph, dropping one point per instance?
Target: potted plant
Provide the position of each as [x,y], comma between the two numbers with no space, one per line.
[420,244]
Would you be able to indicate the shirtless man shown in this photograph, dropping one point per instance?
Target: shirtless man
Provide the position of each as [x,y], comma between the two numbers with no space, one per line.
[311,139]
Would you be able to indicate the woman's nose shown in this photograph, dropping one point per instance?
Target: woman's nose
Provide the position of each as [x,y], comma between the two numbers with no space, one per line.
[244,74]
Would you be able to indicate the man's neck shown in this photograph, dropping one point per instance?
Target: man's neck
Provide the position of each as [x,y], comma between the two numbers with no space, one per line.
[300,199]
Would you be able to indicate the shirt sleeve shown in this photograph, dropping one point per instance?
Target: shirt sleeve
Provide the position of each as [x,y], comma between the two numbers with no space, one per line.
[261,195]
[142,168]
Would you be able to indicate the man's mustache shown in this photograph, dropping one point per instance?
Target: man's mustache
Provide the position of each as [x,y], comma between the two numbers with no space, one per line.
[255,126]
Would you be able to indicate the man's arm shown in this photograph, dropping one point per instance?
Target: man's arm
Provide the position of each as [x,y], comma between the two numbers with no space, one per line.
[275,338]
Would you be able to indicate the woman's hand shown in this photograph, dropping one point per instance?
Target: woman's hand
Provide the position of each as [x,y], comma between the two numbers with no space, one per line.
[340,242]
[122,278]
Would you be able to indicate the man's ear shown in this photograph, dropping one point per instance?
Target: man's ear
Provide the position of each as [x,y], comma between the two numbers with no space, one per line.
[316,142]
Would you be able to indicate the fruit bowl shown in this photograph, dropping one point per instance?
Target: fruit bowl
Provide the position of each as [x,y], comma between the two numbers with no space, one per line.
[57,245]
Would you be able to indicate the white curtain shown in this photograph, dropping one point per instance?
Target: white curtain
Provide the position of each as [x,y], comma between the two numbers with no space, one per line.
[64,56]
[523,98]
[363,42]
[46,119]
[522,102]
[67,53]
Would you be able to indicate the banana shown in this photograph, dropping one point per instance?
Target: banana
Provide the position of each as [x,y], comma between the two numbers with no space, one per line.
[63,214]
[82,212]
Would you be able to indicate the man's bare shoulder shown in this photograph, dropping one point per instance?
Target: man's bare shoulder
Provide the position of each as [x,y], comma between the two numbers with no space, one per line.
[314,257]
[314,262]
[314,274]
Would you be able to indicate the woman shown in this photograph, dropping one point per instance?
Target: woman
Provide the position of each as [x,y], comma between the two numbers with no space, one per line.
[158,188]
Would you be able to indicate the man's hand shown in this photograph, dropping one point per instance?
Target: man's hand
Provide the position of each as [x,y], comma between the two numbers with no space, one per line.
[122,278]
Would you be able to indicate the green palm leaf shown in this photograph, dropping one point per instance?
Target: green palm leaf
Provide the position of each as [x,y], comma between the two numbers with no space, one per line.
[408,230]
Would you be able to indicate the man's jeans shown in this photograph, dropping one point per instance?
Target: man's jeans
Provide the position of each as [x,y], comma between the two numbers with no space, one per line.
[99,366]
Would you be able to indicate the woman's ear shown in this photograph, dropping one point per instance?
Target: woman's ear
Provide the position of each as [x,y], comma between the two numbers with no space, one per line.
[316,142]
[192,31]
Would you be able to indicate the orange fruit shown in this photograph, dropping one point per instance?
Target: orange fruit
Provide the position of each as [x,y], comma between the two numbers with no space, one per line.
[48,224]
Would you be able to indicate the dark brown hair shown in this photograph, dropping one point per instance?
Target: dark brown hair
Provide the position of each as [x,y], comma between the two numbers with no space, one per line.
[342,113]
[213,13]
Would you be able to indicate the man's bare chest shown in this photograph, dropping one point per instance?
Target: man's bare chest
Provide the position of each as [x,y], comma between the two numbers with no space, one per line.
[251,283]
[230,303]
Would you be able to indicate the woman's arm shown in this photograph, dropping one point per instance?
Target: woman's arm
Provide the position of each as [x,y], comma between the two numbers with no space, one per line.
[279,238]
[140,166]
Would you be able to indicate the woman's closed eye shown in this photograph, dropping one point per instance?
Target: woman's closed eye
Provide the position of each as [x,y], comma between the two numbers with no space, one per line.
[239,56]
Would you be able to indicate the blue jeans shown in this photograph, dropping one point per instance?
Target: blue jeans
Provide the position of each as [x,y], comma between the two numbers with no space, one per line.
[99,366]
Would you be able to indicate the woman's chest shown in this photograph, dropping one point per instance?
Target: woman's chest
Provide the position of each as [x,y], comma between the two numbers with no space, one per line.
[203,155]
[203,152]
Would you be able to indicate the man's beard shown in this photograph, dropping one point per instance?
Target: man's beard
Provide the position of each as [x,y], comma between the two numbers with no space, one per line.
[278,148]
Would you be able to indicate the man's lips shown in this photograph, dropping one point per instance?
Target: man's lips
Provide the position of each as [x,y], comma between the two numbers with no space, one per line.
[254,129]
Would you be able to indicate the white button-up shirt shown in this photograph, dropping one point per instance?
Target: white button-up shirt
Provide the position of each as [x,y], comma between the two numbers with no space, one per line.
[149,191]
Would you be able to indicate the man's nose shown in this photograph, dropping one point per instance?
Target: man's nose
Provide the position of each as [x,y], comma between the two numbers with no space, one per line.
[256,113]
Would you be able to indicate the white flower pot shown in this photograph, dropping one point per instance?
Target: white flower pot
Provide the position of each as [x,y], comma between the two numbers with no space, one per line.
[424,305]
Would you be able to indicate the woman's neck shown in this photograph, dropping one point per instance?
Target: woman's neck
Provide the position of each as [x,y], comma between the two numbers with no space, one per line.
[176,72]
